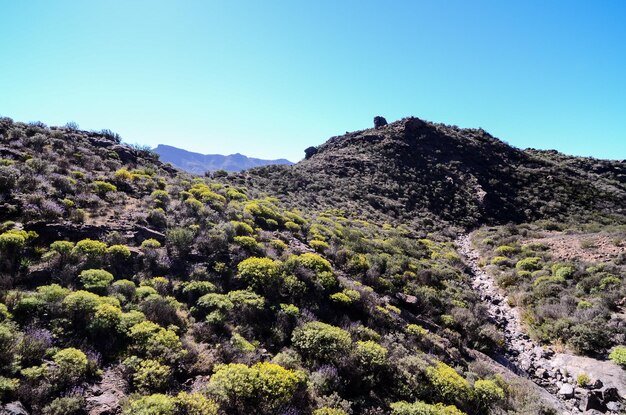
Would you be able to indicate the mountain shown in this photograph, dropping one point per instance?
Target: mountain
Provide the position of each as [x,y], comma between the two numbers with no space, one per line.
[334,286]
[200,163]
[414,171]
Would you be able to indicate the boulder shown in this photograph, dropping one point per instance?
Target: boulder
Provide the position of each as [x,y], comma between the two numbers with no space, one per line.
[13,408]
[379,121]
[566,391]
[592,400]
[614,406]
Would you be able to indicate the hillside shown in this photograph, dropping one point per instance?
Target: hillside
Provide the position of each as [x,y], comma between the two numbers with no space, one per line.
[197,163]
[330,287]
[417,172]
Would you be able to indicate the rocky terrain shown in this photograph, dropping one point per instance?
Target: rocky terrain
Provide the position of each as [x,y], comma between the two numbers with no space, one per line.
[331,287]
[556,372]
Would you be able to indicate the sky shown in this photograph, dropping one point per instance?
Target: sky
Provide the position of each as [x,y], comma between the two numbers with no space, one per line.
[270,78]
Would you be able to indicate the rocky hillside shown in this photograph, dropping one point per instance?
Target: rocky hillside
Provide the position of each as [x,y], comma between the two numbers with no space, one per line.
[197,163]
[417,172]
[130,287]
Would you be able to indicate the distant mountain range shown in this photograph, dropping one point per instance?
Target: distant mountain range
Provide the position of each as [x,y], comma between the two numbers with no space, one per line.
[199,163]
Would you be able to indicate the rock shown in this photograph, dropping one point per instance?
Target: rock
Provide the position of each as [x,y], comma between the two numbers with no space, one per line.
[379,121]
[541,373]
[13,408]
[310,152]
[566,391]
[592,400]
[614,406]
[609,395]
[595,384]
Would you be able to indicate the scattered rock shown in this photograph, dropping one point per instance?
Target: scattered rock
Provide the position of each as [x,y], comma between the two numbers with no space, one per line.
[566,391]
[13,408]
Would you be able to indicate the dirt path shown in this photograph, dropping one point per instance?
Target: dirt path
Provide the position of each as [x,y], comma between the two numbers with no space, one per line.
[555,372]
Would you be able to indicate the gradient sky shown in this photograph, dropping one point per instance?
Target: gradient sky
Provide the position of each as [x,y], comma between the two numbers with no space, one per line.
[270,78]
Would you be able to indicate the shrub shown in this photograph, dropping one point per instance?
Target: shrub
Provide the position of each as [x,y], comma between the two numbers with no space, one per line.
[181,239]
[150,244]
[8,387]
[505,250]
[259,272]
[102,188]
[248,243]
[421,408]
[370,355]
[106,319]
[323,272]
[529,264]
[82,304]
[329,411]
[487,392]
[583,380]
[262,388]
[154,342]
[96,280]
[150,375]
[194,404]
[242,228]
[70,365]
[450,386]
[70,405]
[618,356]
[321,341]
[156,404]
[13,240]
[90,249]
[319,246]
[118,252]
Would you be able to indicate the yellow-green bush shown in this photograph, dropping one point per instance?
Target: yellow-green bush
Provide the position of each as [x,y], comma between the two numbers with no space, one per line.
[321,341]
[262,388]
[259,272]
[448,384]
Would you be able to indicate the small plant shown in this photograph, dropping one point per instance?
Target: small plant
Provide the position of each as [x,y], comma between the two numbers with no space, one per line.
[618,356]
[583,380]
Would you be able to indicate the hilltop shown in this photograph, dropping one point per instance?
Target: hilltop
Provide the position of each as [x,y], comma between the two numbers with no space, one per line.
[422,173]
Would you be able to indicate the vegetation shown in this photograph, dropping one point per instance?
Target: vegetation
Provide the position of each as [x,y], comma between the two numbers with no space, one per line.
[345,297]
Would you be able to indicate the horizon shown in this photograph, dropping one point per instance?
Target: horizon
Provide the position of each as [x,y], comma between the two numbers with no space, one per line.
[269,80]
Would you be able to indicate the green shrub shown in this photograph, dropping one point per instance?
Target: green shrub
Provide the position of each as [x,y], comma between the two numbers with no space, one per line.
[450,386]
[8,387]
[102,188]
[150,244]
[70,365]
[63,248]
[150,375]
[323,272]
[248,243]
[71,405]
[118,252]
[96,280]
[262,388]
[618,356]
[321,341]
[259,272]
[194,404]
[500,261]
[583,380]
[319,246]
[156,404]
[329,411]
[242,228]
[487,392]
[152,341]
[422,408]
[90,249]
[370,355]
[106,319]
[505,250]
[529,264]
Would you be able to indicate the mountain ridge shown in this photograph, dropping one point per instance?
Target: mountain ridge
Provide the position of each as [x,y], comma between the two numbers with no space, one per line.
[199,163]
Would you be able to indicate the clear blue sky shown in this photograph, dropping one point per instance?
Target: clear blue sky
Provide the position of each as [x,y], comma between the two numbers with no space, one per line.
[269,78]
